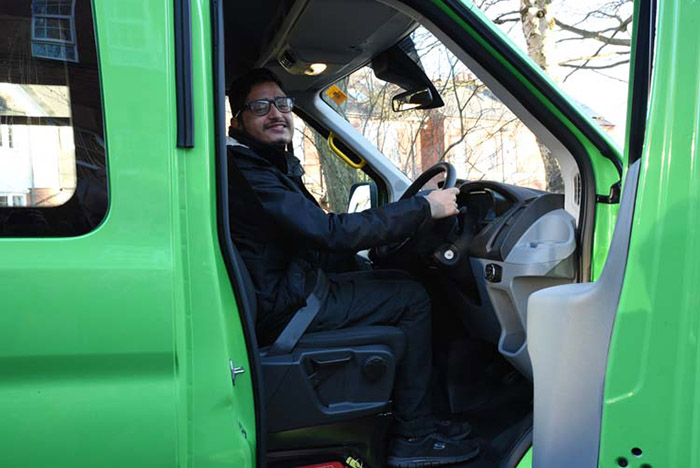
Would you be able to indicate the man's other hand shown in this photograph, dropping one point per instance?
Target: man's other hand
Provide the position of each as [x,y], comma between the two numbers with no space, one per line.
[443,203]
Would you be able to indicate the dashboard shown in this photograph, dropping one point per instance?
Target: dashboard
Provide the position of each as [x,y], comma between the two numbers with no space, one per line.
[513,242]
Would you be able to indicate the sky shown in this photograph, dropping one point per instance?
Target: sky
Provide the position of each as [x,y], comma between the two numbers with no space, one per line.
[604,91]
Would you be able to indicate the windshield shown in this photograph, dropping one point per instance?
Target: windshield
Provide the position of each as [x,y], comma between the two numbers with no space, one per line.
[474,130]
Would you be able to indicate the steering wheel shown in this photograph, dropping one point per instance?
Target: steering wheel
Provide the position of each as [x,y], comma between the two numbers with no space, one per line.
[416,185]
[389,250]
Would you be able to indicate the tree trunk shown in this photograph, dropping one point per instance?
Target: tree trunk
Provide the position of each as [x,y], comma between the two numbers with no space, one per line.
[538,23]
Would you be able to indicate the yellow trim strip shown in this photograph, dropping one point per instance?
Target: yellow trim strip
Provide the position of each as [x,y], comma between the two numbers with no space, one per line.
[331,144]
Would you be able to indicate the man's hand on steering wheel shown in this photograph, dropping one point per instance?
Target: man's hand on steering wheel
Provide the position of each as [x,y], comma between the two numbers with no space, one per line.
[443,203]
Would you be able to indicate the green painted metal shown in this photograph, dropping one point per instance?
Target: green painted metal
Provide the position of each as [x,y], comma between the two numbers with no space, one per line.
[526,461]
[653,376]
[115,345]
[603,170]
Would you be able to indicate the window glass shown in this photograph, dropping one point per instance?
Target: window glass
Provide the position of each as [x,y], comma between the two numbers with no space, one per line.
[53,29]
[583,46]
[473,130]
[53,179]
[326,176]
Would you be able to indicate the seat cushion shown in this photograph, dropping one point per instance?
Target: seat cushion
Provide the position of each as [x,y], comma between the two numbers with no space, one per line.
[393,337]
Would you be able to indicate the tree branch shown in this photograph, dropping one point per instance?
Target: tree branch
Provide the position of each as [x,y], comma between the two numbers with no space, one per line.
[597,35]
[597,52]
[594,57]
[593,67]
[501,19]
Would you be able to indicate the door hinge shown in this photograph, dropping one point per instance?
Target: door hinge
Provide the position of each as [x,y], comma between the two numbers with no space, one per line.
[235,370]
[614,196]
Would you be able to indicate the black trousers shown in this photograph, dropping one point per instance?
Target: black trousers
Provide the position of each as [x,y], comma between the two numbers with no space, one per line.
[389,297]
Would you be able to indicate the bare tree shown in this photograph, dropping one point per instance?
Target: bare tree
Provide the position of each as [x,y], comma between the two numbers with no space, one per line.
[607,24]
[538,23]
[602,34]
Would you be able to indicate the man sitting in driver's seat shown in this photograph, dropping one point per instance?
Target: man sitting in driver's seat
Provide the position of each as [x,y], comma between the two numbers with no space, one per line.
[286,239]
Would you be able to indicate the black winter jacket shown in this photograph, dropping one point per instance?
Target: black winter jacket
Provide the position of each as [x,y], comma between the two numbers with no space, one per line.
[284,236]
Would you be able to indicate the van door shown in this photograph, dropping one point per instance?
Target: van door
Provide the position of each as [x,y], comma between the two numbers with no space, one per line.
[118,323]
[576,330]
[650,411]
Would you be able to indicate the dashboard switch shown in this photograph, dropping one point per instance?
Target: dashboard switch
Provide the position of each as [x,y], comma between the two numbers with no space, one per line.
[493,273]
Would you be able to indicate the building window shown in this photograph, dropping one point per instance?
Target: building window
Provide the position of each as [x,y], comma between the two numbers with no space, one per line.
[53,30]
[13,200]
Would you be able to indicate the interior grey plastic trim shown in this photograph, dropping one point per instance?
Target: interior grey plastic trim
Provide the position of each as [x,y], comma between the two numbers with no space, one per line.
[542,258]
[569,329]
[551,238]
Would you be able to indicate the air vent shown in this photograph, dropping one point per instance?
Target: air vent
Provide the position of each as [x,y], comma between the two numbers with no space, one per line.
[287,60]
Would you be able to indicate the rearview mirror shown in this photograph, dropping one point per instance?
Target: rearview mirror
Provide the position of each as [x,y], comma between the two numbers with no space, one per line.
[421,99]
[363,196]
[401,66]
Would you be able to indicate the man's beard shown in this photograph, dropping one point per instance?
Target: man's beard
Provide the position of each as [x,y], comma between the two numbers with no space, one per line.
[282,144]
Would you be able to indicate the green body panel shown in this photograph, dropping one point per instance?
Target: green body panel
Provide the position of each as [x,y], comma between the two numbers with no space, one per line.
[652,382]
[116,344]
[526,461]
[603,170]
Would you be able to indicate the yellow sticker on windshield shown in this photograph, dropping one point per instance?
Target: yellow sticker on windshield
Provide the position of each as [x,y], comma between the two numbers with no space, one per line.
[337,94]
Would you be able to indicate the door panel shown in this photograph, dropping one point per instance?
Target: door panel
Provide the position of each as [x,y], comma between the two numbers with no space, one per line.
[652,384]
[116,343]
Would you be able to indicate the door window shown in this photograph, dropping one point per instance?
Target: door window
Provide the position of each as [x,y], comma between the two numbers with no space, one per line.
[53,179]
[326,175]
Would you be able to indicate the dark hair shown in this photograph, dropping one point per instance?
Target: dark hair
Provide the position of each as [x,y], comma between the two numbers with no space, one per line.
[241,86]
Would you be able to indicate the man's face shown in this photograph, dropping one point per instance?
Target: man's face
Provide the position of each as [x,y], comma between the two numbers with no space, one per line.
[274,127]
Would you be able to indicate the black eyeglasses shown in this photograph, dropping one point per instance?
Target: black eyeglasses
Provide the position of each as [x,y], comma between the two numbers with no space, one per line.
[261,107]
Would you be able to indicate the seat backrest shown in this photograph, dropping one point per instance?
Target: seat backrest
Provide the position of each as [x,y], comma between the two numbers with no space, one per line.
[335,376]
[248,296]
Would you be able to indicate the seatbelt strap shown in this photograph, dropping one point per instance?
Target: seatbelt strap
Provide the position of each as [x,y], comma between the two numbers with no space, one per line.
[301,320]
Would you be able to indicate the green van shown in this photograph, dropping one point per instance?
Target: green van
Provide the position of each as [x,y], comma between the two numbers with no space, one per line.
[565,293]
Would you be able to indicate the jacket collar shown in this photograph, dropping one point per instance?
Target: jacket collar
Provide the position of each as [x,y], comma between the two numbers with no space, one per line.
[285,161]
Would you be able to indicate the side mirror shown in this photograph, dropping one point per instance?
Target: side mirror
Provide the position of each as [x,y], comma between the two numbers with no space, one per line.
[363,196]
[421,99]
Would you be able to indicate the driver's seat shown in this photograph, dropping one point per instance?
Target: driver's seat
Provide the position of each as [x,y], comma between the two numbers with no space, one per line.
[326,377]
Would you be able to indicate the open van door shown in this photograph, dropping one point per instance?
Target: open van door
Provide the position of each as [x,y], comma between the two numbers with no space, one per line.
[120,344]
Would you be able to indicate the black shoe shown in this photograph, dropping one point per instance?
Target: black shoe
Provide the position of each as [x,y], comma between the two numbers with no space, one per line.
[455,430]
[430,450]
